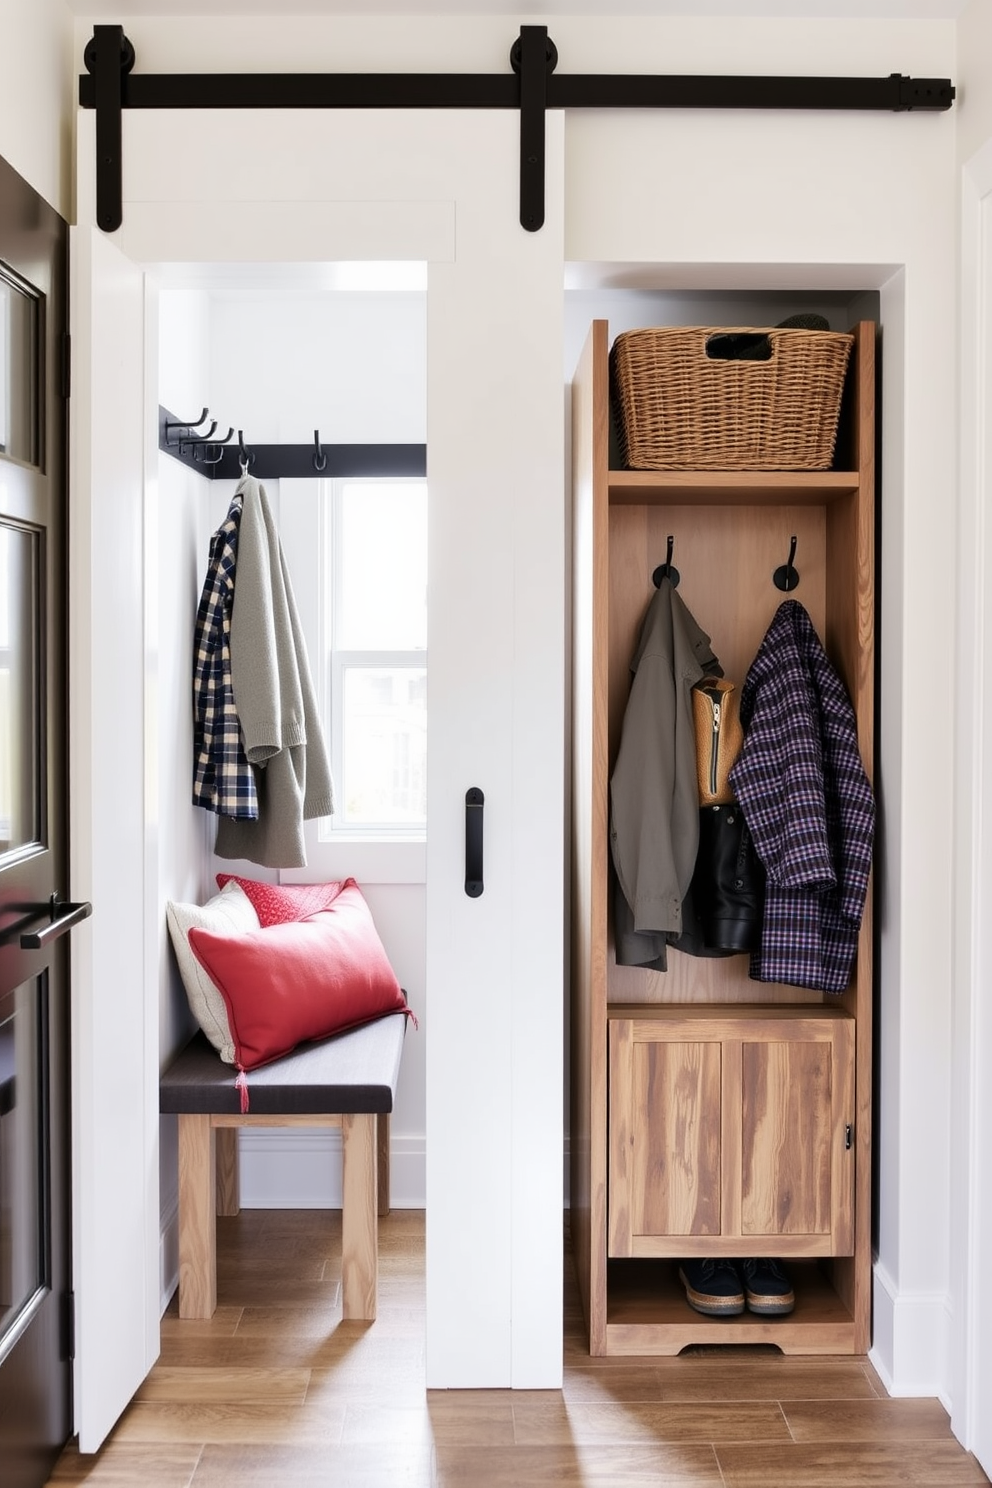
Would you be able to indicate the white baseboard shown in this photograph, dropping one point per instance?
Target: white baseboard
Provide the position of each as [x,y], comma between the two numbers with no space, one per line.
[168,1251]
[283,1168]
[910,1339]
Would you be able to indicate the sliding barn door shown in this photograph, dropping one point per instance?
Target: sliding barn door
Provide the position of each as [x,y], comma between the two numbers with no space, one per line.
[441,187]
[114,1013]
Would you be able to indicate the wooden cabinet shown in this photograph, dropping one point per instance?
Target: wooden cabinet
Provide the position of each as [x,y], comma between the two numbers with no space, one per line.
[711,1114]
[733,1131]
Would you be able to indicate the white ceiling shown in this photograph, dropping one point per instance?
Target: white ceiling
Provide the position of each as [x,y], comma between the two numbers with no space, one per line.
[834,9]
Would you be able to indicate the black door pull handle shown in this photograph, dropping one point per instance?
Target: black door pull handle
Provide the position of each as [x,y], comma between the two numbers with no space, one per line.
[63,917]
[474,802]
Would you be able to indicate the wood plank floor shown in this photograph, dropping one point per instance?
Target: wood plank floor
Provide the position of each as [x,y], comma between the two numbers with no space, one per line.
[276,1391]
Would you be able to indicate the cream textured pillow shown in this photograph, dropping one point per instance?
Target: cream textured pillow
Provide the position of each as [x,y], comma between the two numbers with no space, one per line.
[227,913]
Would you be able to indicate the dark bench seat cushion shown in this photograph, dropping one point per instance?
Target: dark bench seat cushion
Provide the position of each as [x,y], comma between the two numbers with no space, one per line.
[354,1071]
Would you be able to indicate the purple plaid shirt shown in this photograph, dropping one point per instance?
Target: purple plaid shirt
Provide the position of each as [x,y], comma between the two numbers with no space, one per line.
[223,780]
[808,804]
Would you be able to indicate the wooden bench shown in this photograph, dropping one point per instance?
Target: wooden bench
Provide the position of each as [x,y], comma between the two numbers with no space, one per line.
[348,1081]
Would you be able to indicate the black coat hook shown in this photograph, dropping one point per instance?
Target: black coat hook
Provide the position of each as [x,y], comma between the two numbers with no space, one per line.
[319,458]
[209,437]
[667,570]
[786,577]
[245,457]
[188,425]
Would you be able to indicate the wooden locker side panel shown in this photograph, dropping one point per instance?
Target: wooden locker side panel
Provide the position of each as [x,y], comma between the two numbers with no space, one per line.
[589,824]
[850,642]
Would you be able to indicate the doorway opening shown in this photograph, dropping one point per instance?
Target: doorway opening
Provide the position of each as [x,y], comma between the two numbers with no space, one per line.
[283,353]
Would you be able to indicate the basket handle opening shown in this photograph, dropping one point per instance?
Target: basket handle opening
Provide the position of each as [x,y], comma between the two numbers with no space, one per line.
[739,346]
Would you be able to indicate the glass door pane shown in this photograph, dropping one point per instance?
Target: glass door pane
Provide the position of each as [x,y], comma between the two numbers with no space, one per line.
[19,363]
[22,1158]
[20,691]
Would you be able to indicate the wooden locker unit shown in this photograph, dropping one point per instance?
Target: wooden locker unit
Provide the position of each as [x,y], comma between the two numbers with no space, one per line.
[714,1115]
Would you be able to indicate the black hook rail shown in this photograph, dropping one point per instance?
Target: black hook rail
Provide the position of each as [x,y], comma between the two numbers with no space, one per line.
[222,459]
[531,86]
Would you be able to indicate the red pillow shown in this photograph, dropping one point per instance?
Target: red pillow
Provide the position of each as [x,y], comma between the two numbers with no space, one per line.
[279,904]
[288,983]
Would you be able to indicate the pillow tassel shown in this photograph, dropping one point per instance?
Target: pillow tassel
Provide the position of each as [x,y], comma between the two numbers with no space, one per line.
[242,1084]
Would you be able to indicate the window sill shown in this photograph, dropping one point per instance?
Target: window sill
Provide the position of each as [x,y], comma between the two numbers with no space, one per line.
[385,860]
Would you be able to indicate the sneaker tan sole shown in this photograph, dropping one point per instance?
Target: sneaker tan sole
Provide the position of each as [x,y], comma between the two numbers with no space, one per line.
[710,1305]
[776,1305]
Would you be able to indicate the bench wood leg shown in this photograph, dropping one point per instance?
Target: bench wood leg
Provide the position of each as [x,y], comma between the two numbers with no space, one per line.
[197,1218]
[228,1177]
[359,1217]
[382,1125]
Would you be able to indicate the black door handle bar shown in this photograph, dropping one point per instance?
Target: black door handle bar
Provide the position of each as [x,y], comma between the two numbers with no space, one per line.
[474,802]
[63,917]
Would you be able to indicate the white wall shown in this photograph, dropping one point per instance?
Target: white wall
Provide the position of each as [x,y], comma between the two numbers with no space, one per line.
[845,201]
[179,515]
[974,78]
[970,1301]
[37,96]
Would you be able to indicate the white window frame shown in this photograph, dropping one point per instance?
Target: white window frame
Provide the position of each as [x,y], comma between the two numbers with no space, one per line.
[335,662]
[372,855]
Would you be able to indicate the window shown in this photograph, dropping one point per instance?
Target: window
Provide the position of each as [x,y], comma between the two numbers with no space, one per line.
[375,562]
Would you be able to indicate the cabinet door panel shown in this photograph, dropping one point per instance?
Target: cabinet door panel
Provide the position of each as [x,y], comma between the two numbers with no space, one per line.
[665,1149]
[676,1173]
[787,1122]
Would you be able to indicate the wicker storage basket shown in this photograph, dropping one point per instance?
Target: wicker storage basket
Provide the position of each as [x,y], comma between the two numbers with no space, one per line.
[679,408]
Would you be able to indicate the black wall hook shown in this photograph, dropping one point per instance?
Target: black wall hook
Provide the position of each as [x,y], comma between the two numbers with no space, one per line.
[319,458]
[667,570]
[211,436]
[189,425]
[245,457]
[787,577]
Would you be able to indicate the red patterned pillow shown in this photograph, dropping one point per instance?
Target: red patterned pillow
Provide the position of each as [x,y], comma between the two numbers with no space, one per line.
[280,904]
[285,984]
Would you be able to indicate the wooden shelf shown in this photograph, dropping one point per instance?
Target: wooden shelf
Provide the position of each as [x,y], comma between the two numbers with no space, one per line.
[785,1013]
[730,487]
[648,1314]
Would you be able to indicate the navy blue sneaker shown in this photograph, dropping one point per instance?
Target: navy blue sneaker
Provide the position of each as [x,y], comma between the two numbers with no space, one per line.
[767,1288]
[712,1287]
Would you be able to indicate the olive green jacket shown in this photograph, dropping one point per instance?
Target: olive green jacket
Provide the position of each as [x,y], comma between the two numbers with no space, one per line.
[275,699]
[654,797]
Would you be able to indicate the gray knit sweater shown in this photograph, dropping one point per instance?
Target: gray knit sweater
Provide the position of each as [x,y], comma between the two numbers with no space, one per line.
[275,700]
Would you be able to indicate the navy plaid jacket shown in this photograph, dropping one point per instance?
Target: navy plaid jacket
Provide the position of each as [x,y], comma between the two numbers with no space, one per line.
[808,804]
[223,780]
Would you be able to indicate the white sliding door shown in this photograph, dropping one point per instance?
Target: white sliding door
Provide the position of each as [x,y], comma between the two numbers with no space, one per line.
[114,1027]
[440,187]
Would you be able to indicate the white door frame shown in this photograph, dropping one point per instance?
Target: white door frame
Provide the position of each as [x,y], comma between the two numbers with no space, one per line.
[971,1145]
[314,186]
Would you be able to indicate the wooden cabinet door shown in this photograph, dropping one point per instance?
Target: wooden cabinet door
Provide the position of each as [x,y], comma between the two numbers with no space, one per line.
[731,1135]
[796,1124]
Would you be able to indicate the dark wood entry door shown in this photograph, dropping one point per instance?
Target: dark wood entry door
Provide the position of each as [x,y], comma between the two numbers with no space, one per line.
[35,1294]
